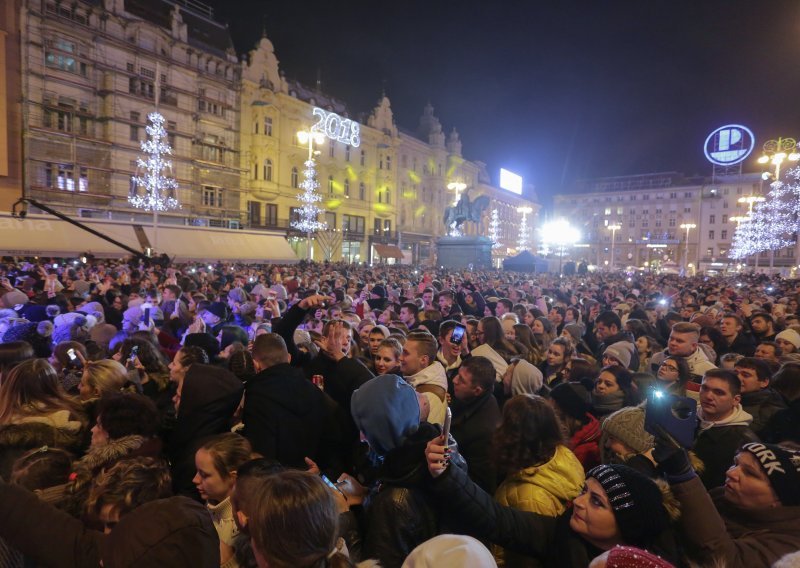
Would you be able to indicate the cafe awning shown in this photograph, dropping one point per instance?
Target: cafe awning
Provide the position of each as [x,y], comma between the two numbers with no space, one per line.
[42,235]
[388,251]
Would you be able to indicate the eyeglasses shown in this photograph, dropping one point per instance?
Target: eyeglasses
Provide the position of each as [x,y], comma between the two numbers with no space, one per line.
[670,367]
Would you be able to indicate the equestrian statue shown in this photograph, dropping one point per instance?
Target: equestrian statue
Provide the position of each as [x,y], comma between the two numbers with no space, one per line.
[465,210]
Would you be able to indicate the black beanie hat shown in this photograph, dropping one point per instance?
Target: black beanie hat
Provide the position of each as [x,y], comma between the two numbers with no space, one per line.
[782,467]
[636,500]
[574,399]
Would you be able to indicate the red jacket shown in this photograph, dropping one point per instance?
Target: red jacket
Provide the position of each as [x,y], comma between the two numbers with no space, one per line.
[584,443]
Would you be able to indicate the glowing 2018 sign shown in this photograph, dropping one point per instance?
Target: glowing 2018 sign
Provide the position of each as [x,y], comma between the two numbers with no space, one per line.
[729,145]
[337,128]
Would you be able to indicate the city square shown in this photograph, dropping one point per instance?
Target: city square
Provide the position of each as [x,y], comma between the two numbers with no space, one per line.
[468,285]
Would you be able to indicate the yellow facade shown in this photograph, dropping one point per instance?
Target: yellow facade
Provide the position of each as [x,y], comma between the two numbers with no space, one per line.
[10,121]
[357,183]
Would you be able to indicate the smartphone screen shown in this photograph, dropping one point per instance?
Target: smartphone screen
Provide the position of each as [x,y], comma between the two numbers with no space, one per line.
[458,334]
[134,353]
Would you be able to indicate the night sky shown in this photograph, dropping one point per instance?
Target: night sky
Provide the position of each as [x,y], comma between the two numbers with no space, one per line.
[555,90]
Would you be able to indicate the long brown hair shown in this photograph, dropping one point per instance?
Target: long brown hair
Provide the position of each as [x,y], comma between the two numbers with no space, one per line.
[32,388]
[294,522]
[528,434]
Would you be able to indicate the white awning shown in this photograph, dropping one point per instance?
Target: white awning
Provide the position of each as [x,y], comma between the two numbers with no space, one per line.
[44,235]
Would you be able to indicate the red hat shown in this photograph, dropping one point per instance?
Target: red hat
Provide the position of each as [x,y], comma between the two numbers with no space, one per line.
[630,557]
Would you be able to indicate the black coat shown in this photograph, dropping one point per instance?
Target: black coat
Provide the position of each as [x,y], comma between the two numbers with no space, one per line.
[209,397]
[784,425]
[341,379]
[286,417]
[762,404]
[743,344]
[716,448]
[548,539]
[399,514]
[473,425]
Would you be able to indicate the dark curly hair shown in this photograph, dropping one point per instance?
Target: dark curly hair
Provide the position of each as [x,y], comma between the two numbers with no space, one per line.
[128,414]
[149,356]
[528,435]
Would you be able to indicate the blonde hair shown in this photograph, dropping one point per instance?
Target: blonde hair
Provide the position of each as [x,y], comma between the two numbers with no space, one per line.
[33,388]
[105,376]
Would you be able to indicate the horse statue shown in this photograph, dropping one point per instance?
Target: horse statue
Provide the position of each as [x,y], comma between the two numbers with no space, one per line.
[465,210]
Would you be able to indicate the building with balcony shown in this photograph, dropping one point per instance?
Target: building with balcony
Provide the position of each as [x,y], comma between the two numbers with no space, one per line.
[93,71]
[649,210]
[10,107]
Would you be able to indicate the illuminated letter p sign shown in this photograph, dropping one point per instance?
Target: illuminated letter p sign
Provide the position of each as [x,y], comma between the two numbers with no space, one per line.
[729,145]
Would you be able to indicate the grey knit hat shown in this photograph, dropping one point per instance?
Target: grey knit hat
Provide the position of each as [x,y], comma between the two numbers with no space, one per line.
[627,426]
[575,330]
[620,351]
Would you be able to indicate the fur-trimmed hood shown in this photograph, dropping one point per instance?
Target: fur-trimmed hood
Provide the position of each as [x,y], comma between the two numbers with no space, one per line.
[115,450]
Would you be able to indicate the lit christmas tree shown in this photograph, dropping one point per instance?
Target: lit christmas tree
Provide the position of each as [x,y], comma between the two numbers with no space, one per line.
[494,229]
[308,221]
[743,243]
[158,187]
[522,243]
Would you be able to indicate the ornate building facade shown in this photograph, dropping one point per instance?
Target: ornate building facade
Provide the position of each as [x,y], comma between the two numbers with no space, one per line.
[91,71]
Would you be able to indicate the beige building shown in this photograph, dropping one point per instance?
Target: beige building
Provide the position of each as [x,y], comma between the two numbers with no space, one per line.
[386,196]
[10,108]
[91,72]
[649,210]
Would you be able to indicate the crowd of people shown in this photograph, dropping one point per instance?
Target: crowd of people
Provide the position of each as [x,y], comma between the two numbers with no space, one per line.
[338,415]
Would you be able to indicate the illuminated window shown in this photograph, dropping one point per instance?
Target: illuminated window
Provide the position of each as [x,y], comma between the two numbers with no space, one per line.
[295,178]
[710,251]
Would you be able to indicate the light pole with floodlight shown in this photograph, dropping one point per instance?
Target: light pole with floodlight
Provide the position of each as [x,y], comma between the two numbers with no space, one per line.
[688,227]
[562,234]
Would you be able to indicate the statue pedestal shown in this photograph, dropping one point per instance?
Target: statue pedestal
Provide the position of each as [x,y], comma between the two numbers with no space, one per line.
[461,252]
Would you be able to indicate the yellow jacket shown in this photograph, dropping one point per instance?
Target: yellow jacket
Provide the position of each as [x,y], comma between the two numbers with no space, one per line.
[544,489]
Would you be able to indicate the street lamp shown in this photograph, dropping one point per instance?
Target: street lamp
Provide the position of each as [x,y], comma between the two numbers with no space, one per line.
[613,228]
[562,234]
[309,213]
[688,227]
[776,152]
[523,227]
[750,200]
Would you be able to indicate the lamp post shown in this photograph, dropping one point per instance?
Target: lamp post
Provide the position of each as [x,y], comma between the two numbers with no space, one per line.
[613,228]
[309,214]
[523,227]
[776,152]
[688,227]
[562,234]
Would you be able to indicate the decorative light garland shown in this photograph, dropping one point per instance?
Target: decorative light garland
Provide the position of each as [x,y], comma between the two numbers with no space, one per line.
[156,185]
[494,229]
[308,221]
